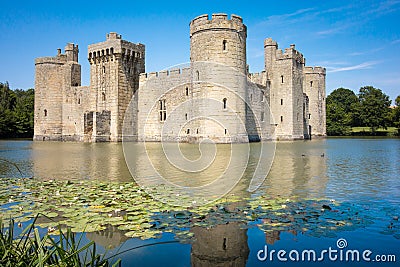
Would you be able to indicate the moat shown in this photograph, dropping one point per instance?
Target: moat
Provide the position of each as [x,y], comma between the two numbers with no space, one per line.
[316,192]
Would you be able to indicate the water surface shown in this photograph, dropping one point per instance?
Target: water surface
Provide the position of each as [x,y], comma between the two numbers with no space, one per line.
[360,172]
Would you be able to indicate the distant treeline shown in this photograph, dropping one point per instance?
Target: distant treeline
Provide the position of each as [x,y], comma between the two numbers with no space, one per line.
[369,108]
[16,112]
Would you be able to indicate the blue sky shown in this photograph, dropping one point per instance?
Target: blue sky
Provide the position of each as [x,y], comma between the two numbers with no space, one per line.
[357,41]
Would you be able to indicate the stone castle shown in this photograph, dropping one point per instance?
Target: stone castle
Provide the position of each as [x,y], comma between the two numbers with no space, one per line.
[214,98]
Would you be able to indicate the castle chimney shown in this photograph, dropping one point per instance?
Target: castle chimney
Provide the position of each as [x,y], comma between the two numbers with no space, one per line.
[293,46]
[58,51]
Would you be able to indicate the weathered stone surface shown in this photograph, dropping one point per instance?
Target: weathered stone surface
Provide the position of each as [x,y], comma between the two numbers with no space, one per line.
[215,98]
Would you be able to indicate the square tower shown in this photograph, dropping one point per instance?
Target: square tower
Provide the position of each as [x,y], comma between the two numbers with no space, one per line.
[285,79]
[115,66]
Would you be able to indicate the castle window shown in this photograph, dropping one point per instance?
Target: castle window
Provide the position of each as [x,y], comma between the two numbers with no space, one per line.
[104,69]
[188,131]
[103,96]
[262,116]
[224,42]
[310,83]
[79,101]
[187,91]
[281,118]
[309,115]
[262,97]
[281,102]
[107,51]
[163,110]
[90,55]
[225,131]
[45,112]
[197,131]
[186,116]
[111,50]
[224,101]
[282,78]
[197,75]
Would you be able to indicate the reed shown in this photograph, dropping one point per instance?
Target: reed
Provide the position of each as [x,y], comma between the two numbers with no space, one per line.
[32,249]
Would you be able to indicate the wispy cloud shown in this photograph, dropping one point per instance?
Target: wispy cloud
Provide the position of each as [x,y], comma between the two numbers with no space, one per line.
[365,65]
[384,8]
[333,30]
[361,53]
[287,18]
[395,41]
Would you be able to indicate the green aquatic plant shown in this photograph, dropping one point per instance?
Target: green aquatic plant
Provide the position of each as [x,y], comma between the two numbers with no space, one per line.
[32,249]
[92,206]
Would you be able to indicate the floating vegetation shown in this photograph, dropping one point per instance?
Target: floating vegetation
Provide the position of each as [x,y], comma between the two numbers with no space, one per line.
[90,206]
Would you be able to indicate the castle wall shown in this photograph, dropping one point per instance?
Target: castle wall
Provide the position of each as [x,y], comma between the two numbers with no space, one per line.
[218,61]
[314,87]
[53,80]
[76,100]
[115,66]
[215,98]
[285,76]
[169,87]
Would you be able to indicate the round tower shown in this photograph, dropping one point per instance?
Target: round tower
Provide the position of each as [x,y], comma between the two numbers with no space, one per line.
[219,40]
[218,65]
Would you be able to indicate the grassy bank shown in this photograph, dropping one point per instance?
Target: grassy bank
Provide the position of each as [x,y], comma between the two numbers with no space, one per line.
[366,131]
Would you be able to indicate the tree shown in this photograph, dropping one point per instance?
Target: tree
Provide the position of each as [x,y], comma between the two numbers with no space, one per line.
[16,112]
[396,113]
[337,120]
[374,107]
[340,105]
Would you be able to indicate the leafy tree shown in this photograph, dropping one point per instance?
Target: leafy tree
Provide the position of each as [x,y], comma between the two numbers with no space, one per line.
[16,112]
[337,120]
[340,106]
[374,107]
[396,113]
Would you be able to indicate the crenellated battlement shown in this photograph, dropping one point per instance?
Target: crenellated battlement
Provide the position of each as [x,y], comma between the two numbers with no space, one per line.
[115,46]
[315,70]
[259,78]
[71,54]
[217,21]
[286,99]
[60,60]
[290,53]
[165,74]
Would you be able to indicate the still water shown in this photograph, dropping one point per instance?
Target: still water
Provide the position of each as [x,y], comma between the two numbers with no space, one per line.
[361,172]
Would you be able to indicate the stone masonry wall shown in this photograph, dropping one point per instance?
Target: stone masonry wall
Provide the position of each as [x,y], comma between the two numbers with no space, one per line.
[215,98]
[314,87]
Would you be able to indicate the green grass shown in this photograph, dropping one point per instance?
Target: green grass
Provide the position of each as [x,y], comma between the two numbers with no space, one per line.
[391,131]
[32,249]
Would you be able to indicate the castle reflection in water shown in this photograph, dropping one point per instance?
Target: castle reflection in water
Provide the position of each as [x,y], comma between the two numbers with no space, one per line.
[299,169]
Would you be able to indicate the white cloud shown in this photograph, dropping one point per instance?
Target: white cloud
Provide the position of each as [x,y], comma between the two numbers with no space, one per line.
[367,52]
[333,30]
[286,18]
[365,65]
